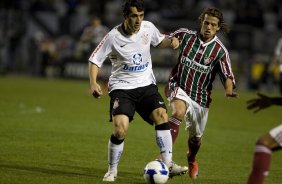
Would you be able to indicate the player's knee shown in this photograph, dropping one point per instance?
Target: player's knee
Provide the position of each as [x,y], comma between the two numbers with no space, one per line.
[120,134]
[195,139]
[178,109]
[179,113]
[265,140]
[159,116]
[120,126]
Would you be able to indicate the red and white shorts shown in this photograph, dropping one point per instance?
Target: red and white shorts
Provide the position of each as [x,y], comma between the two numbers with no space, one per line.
[276,133]
[196,116]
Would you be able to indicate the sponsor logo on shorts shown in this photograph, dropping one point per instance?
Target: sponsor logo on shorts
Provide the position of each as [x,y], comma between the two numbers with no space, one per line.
[116,103]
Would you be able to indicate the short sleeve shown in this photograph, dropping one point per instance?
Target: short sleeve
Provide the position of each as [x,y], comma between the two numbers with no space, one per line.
[102,51]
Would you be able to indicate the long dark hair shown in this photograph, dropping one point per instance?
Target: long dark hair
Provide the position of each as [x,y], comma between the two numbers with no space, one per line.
[212,11]
[139,4]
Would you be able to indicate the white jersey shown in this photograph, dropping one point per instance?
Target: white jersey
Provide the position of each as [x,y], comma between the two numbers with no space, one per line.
[130,56]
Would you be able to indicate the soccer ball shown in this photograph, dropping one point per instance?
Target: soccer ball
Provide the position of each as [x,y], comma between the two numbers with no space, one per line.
[156,172]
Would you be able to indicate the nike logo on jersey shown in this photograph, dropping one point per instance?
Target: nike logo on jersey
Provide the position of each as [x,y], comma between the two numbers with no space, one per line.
[161,102]
[123,45]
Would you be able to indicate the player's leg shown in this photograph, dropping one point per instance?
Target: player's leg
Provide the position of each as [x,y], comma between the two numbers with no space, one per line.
[164,141]
[178,110]
[194,144]
[115,145]
[265,145]
[178,103]
[196,120]
[121,113]
[153,110]
[163,136]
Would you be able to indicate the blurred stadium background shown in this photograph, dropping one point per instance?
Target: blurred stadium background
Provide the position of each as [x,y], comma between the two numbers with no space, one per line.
[44,38]
[53,132]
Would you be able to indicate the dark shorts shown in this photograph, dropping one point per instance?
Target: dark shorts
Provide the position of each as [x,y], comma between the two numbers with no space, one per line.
[143,100]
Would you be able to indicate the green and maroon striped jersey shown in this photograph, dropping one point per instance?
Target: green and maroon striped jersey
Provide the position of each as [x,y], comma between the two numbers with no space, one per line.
[198,63]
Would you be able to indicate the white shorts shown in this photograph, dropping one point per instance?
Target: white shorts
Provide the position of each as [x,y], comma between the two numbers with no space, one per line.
[196,116]
[276,133]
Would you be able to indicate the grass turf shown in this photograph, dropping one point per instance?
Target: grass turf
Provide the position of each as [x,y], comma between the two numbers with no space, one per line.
[52,131]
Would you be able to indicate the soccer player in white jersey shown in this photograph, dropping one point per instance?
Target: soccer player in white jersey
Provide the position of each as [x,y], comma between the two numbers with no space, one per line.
[132,85]
[201,56]
[266,143]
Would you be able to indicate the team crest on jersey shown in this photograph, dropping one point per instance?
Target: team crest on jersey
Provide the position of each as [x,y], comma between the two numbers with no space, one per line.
[137,59]
[116,103]
[207,60]
[145,38]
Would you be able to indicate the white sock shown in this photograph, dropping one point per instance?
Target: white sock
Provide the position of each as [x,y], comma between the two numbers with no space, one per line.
[114,154]
[164,141]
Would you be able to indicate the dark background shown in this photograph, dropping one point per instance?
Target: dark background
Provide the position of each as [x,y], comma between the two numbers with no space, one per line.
[26,24]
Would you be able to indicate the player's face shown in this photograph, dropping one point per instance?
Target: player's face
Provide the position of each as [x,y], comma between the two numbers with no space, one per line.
[133,20]
[210,26]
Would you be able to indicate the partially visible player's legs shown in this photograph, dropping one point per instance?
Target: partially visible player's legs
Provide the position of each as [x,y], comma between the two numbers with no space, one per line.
[265,145]
[261,162]
[178,108]
[115,146]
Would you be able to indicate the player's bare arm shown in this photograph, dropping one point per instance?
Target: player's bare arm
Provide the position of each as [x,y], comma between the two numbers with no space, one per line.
[229,89]
[173,43]
[94,87]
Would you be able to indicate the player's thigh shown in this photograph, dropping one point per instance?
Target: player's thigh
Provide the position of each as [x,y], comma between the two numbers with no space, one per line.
[122,103]
[150,101]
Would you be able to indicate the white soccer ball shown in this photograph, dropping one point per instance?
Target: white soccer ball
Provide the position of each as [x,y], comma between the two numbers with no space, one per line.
[156,172]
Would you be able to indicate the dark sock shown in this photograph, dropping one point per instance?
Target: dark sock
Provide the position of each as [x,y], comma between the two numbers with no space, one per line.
[174,127]
[115,140]
[194,145]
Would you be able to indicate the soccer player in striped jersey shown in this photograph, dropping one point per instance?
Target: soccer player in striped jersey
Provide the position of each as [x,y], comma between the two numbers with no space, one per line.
[201,56]
[132,85]
[266,143]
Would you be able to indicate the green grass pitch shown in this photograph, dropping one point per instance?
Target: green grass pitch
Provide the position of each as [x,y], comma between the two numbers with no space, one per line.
[52,131]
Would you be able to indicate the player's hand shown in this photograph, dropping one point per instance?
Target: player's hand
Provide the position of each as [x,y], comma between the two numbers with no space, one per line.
[95,90]
[231,94]
[174,43]
[260,103]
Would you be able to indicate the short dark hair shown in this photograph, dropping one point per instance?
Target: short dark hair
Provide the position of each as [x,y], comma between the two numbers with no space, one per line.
[139,4]
[212,11]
